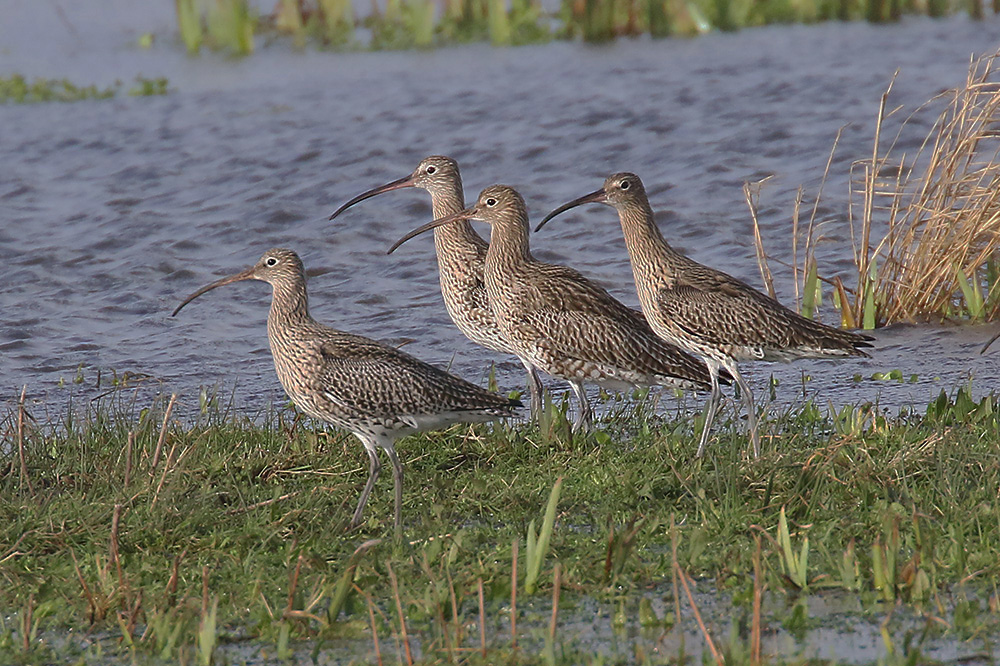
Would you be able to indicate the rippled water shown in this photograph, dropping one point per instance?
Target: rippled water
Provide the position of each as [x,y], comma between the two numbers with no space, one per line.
[113,211]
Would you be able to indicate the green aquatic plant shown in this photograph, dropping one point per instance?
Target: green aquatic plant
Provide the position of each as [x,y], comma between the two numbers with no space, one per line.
[16,89]
[404,24]
[499,22]
[795,565]
[190,25]
[537,545]
[143,87]
[230,26]
[335,23]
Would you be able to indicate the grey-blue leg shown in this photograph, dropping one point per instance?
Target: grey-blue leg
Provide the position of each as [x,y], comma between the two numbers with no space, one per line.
[711,407]
[748,403]
[584,414]
[373,469]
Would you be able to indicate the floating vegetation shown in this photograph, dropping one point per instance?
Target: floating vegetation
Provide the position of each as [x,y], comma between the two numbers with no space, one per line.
[406,24]
[924,227]
[16,89]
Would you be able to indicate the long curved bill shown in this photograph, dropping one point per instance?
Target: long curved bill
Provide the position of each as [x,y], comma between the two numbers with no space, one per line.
[242,275]
[600,196]
[399,184]
[467,214]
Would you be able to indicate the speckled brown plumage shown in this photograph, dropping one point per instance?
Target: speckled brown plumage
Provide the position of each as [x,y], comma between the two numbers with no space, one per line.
[563,323]
[461,257]
[706,311]
[374,391]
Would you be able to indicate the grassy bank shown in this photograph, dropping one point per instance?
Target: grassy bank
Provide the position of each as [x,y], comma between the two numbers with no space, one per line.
[169,538]
[232,25]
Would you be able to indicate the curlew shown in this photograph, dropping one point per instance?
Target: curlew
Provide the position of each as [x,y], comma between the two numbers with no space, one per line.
[706,311]
[374,391]
[461,256]
[560,321]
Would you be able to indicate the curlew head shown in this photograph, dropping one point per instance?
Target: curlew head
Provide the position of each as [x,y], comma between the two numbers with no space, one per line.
[497,203]
[620,190]
[436,173]
[276,266]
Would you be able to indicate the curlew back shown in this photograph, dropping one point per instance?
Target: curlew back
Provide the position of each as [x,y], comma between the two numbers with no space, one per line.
[573,318]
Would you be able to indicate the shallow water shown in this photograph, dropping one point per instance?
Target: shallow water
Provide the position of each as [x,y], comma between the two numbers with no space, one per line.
[830,626]
[113,211]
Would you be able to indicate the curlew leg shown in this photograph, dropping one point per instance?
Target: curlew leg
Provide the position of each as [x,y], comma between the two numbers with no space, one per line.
[534,389]
[747,394]
[373,470]
[583,418]
[397,482]
[711,407]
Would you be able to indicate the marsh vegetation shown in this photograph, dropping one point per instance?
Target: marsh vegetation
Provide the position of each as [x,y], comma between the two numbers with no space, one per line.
[231,25]
[170,537]
[924,228]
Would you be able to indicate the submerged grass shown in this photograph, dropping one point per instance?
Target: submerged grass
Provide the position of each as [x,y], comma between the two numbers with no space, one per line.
[924,228]
[237,531]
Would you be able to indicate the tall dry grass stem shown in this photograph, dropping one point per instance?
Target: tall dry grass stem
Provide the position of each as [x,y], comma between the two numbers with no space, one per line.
[751,191]
[924,227]
[25,480]
[129,445]
[556,585]
[758,594]
[371,619]
[697,616]
[399,609]
[163,435]
[482,618]
[513,595]
[940,209]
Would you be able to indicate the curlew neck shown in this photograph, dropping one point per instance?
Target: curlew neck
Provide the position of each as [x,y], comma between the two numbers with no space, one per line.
[448,201]
[651,256]
[289,303]
[509,240]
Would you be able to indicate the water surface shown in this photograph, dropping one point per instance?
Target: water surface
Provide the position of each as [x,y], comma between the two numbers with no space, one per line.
[113,211]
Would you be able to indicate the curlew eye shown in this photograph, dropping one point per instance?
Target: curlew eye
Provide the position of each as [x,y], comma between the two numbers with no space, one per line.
[271,261]
[491,202]
[431,170]
[625,185]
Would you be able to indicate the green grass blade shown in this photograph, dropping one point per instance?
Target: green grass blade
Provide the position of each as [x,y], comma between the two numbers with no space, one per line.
[538,549]
[973,297]
[206,635]
[811,292]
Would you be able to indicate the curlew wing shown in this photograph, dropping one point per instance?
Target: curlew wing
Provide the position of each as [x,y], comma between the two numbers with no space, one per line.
[576,319]
[369,378]
[724,312]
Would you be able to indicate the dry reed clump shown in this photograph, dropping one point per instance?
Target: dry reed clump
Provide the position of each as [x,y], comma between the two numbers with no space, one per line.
[925,229]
